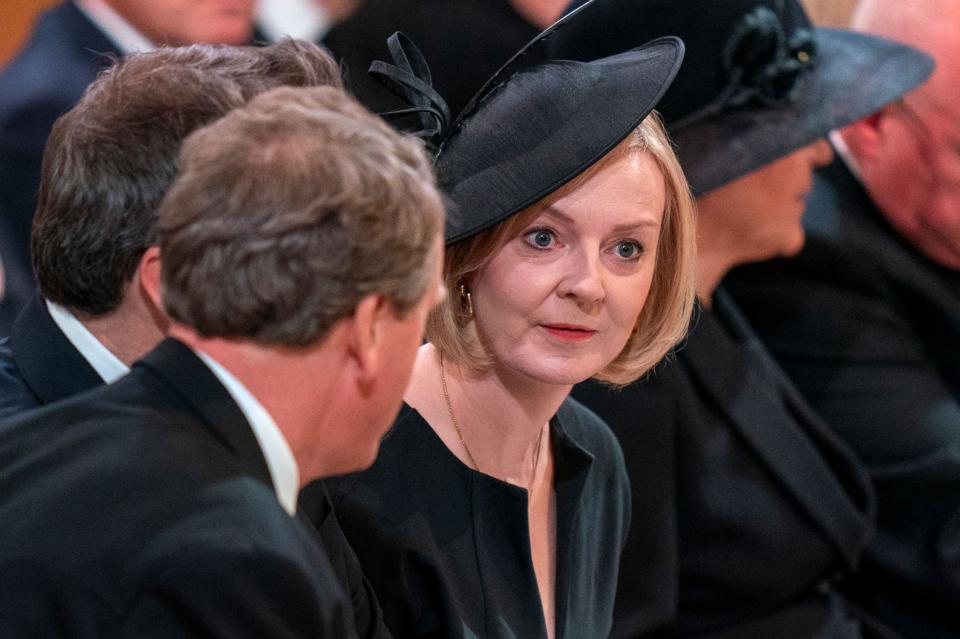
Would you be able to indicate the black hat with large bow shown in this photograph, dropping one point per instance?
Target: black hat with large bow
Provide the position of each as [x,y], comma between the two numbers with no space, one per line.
[758,81]
[536,124]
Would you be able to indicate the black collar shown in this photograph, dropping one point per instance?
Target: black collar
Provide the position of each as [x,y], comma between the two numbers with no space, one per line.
[810,461]
[196,385]
[51,367]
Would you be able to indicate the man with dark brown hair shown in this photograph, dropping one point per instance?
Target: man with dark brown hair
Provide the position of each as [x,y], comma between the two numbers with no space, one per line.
[108,164]
[301,252]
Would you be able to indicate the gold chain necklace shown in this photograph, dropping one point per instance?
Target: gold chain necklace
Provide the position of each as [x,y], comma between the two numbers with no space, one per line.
[463,442]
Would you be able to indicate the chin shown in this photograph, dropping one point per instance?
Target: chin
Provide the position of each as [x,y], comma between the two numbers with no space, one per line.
[795,245]
[359,463]
[564,372]
[233,34]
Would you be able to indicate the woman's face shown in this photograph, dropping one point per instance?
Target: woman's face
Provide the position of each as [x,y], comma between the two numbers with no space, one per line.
[758,216]
[558,302]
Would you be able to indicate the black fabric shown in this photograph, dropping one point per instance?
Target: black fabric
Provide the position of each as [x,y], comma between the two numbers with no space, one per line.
[38,364]
[745,96]
[464,42]
[63,55]
[447,548]
[145,509]
[316,512]
[746,507]
[869,330]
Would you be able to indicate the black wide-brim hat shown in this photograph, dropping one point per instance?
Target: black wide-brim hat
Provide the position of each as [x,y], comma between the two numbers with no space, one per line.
[535,125]
[759,81]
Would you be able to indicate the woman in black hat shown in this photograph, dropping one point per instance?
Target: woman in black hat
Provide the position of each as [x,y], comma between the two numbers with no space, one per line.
[497,506]
[749,514]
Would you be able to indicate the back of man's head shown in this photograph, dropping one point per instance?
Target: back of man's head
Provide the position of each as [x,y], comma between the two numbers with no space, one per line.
[907,153]
[288,212]
[110,160]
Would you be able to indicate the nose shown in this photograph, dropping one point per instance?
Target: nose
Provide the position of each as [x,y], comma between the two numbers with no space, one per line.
[822,152]
[582,280]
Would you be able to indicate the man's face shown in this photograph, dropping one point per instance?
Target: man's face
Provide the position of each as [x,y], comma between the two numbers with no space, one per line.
[401,338]
[914,175]
[760,214]
[182,22]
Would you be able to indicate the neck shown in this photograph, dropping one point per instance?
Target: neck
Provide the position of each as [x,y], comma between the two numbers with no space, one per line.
[266,371]
[501,415]
[712,267]
[129,331]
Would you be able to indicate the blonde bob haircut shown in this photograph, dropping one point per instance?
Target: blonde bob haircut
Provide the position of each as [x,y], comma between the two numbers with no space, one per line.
[665,316]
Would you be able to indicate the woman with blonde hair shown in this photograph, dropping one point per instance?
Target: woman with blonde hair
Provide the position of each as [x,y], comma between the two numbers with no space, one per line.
[498,506]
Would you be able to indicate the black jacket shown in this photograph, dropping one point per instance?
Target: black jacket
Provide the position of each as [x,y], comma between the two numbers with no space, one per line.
[145,509]
[447,548]
[746,508]
[38,364]
[869,330]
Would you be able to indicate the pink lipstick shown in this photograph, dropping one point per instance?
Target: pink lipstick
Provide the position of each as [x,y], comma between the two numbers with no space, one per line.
[569,332]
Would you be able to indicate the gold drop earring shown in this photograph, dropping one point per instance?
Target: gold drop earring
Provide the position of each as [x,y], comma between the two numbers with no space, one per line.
[466,301]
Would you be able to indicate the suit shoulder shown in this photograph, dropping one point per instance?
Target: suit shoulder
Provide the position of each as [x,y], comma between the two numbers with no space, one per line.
[653,397]
[233,546]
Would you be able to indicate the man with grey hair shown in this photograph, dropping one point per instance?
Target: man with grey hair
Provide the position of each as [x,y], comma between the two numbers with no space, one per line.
[867,319]
[108,164]
[301,251]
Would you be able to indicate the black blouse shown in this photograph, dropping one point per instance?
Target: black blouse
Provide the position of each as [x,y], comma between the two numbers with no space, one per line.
[748,510]
[447,548]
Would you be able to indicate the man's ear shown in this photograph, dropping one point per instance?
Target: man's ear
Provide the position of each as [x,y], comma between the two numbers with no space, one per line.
[367,335]
[865,137]
[148,272]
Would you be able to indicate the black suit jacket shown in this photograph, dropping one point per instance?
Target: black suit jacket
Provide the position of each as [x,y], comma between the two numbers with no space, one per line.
[869,329]
[38,364]
[48,76]
[145,509]
[746,508]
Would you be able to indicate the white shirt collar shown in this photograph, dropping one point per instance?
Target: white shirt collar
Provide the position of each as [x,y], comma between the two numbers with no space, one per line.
[301,19]
[840,146]
[107,365]
[280,461]
[114,26]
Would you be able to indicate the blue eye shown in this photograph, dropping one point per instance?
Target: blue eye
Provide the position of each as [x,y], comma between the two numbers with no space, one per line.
[540,238]
[628,250]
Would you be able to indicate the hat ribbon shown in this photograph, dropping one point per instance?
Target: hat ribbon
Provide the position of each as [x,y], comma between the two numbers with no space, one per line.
[762,65]
[409,79]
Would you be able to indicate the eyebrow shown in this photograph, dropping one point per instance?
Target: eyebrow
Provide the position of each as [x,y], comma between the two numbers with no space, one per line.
[619,228]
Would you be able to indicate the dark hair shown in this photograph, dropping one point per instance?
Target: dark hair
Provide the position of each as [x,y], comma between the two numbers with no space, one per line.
[110,160]
[289,211]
